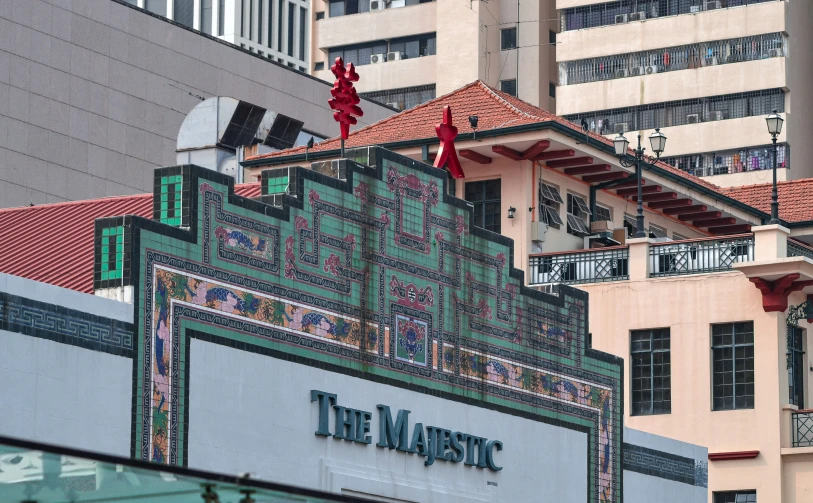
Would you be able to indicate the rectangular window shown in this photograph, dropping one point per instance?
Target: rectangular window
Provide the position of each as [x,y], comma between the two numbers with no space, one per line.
[221,17]
[509,86]
[508,38]
[206,16]
[735,497]
[319,66]
[251,20]
[320,16]
[577,212]
[630,223]
[270,30]
[415,46]
[549,201]
[651,372]
[732,352]
[796,376]
[551,89]
[656,232]
[551,37]
[303,17]
[156,7]
[678,237]
[260,21]
[280,23]
[486,196]
[336,8]
[603,214]
[291,15]
[403,98]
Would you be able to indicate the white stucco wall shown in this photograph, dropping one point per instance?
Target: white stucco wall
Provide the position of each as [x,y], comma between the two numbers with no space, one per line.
[252,413]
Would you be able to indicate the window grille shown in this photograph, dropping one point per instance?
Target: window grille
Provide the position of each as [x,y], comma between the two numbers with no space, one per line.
[732,349]
[651,372]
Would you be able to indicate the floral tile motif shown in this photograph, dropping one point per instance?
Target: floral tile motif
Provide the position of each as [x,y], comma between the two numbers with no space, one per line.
[411,340]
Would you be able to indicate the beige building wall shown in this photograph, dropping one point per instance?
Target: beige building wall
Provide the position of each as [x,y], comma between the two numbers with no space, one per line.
[792,73]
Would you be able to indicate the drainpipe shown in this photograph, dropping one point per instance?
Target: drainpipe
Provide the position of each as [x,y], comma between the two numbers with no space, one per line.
[601,186]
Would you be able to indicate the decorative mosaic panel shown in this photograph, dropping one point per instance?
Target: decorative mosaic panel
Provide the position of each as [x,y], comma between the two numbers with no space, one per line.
[372,276]
[112,249]
[665,465]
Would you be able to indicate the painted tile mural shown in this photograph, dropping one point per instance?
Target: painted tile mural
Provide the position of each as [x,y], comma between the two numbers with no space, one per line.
[381,275]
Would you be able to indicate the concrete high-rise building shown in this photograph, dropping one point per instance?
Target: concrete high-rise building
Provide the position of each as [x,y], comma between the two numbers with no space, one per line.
[275,29]
[409,51]
[706,72]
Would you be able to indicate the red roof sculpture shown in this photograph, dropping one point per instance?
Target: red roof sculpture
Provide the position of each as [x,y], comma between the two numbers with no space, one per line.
[345,100]
[447,155]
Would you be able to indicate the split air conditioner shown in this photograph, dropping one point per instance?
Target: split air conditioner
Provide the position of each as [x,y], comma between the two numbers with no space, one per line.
[716,115]
[377,5]
[621,73]
[639,70]
[712,5]
[621,18]
[692,118]
[637,16]
[775,53]
[395,56]
[377,58]
[651,69]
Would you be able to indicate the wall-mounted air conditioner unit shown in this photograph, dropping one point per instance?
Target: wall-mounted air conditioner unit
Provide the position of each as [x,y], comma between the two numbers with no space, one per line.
[637,16]
[395,56]
[692,118]
[621,127]
[377,58]
[716,115]
[651,69]
[775,53]
[377,5]
[621,73]
[712,5]
[639,70]
[621,18]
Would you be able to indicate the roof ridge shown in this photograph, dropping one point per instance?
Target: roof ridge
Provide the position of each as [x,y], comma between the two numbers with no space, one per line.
[75,203]
[492,92]
[765,184]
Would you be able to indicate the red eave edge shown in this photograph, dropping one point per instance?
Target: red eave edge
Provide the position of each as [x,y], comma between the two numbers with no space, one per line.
[727,456]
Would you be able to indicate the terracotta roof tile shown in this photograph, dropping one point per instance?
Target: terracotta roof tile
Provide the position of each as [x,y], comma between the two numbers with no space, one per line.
[495,110]
[795,198]
[53,243]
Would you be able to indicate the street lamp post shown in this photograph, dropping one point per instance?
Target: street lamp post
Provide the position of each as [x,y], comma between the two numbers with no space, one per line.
[774,128]
[621,144]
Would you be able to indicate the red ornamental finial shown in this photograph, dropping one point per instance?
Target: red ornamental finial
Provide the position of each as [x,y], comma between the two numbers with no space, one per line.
[345,100]
[446,153]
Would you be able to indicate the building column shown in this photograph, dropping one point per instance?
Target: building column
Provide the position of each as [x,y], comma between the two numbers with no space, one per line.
[770,242]
[639,263]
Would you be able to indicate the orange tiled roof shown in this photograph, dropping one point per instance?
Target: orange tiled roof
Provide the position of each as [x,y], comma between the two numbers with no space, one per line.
[495,110]
[795,198]
[53,243]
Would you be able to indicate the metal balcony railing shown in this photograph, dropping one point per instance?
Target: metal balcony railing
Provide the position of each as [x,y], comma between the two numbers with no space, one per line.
[581,266]
[799,249]
[697,256]
[802,428]
[731,161]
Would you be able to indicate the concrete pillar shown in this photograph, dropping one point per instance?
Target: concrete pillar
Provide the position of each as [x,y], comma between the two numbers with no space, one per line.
[770,242]
[639,258]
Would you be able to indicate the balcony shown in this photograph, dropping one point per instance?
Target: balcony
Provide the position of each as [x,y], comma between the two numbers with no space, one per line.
[669,258]
[377,25]
[699,256]
[802,428]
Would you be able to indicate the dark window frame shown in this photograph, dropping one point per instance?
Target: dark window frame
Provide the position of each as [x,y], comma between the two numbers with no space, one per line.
[724,360]
[551,89]
[740,496]
[508,38]
[482,203]
[550,201]
[646,360]
[512,86]
[796,366]
[577,213]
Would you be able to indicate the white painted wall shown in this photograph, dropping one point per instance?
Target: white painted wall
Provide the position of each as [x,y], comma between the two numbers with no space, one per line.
[252,413]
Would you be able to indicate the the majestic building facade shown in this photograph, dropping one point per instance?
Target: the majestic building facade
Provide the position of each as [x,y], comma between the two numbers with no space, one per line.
[264,319]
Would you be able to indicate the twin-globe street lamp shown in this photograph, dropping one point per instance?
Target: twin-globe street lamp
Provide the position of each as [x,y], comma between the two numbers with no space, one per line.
[658,142]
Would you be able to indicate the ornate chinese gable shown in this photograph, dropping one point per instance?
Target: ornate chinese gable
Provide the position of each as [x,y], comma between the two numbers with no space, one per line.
[378,274]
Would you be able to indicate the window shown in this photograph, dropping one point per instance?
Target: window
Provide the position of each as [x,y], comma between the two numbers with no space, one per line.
[549,201]
[317,67]
[732,350]
[320,16]
[260,21]
[731,161]
[651,372]
[404,98]
[243,14]
[303,16]
[485,196]
[736,497]
[509,86]
[291,15]
[156,7]
[796,376]
[551,37]
[358,54]
[577,212]
[603,214]
[508,38]
[551,89]
[268,37]
[656,232]
[280,18]
[250,19]
[206,16]
[631,224]
[415,46]
[221,17]
[678,237]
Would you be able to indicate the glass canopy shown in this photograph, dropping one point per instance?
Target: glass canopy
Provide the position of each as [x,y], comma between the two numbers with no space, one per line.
[31,472]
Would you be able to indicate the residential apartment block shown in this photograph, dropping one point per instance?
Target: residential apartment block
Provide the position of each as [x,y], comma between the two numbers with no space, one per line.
[409,51]
[704,71]
[712,310]
[274,29]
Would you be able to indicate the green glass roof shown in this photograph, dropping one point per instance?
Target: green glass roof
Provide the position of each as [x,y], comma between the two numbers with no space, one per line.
[31,472]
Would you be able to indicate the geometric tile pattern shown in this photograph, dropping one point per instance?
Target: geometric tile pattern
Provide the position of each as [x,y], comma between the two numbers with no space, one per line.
[67,326]
[665,465]
[369,276]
